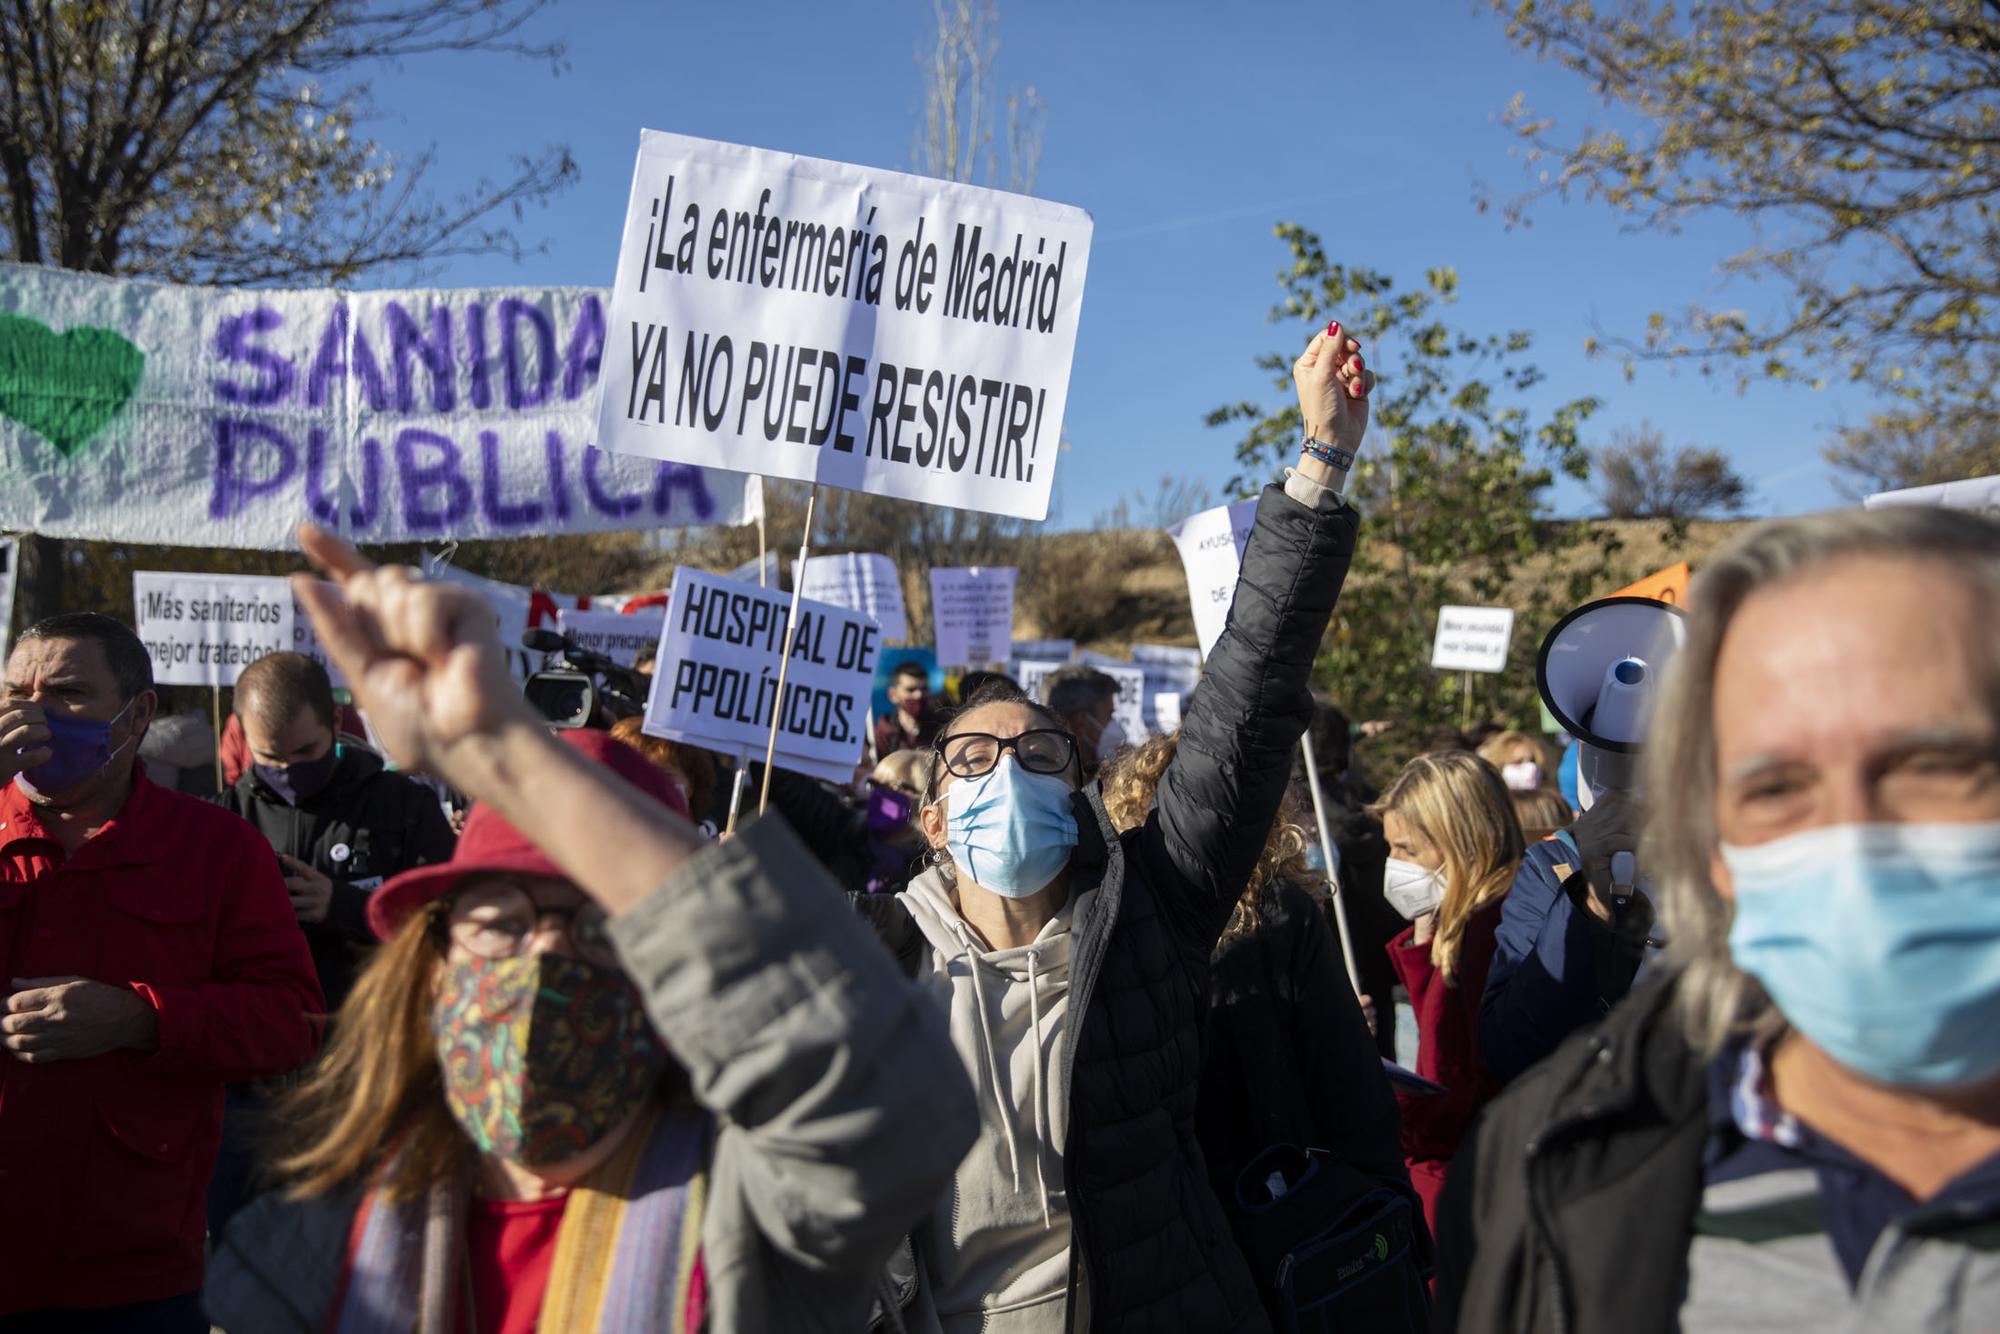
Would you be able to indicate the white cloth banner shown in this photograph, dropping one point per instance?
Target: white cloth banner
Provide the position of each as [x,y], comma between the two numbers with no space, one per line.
[1472,639]
[868,329]
[136,412]
[615,634]
[1211,545]
[862,581]
[204,629]
[718,675]
[973,612]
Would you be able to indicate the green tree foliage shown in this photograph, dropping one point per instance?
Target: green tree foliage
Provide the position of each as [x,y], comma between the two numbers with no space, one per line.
[1452,483]
[1859,138]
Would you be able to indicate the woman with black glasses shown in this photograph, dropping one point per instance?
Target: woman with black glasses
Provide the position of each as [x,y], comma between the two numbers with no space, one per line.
[1073,960]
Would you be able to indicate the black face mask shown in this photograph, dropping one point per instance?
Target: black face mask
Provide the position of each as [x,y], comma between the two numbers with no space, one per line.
[303,781]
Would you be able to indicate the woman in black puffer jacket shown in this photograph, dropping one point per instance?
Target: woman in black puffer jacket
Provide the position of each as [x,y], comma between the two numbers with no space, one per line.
[1074,960]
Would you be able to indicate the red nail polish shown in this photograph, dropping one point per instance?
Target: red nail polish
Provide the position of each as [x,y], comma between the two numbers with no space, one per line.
[1333,328]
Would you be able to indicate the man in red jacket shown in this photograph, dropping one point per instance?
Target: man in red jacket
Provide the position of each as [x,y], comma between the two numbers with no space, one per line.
[149,954]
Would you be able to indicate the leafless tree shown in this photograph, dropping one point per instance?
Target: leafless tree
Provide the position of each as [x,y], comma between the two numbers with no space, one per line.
[959,112]
[223,142]
[1638,477]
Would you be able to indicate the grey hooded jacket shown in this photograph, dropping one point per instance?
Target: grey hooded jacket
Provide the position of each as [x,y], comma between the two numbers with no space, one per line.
[841,1106]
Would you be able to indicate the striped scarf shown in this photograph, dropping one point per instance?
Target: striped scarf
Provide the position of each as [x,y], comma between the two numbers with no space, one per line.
[627,1253]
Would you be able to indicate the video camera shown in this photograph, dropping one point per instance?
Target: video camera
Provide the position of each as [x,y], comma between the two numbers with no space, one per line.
[580,688]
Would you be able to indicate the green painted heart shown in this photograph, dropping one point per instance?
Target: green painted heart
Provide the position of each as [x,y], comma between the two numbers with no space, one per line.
[65,387]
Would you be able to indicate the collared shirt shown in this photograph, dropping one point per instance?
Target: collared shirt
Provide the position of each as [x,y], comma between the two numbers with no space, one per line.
[1797,1232]
[104,1160]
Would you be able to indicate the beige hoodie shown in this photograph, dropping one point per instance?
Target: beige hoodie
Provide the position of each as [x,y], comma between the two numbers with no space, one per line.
[996,1249]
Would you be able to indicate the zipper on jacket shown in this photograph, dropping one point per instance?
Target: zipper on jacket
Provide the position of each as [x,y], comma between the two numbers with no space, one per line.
[1538,1203]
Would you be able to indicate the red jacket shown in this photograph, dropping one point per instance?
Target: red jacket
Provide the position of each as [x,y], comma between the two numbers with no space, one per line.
[104,1163]
[1448,1051]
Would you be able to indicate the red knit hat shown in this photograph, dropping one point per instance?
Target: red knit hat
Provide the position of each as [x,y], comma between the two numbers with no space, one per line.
[489,843]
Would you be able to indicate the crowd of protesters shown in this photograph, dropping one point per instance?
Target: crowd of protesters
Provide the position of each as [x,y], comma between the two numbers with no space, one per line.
[400,1009]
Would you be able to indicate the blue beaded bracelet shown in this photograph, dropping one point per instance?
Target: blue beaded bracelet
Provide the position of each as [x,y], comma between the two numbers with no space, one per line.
[1333,456]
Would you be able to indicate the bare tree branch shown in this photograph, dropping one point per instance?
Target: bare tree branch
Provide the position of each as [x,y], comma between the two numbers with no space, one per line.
[196,140]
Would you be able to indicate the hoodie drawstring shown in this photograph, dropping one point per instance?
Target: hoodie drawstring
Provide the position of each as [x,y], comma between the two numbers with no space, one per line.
[1000,1098]
[1041,1107]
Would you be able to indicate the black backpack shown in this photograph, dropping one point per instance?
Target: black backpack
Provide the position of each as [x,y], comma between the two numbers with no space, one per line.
[1333,1250]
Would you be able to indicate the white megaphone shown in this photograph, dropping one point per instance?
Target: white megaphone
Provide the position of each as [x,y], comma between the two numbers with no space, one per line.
[1598,671]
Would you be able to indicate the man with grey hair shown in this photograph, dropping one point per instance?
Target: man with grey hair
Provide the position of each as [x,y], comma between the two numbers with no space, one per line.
[1084,698]
[1796,1126]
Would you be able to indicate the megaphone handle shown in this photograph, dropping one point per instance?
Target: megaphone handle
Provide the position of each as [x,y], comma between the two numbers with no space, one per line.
[1624,875]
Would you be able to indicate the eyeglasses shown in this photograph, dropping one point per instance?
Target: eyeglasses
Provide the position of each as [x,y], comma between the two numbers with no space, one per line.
[498,921]
[975,754]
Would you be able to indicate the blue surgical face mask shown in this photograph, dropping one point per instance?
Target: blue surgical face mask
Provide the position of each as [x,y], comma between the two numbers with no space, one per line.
[1010,831]
[79,747]
[1880,943]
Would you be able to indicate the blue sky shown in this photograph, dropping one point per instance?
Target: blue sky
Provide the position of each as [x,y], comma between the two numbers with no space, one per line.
[1187,130]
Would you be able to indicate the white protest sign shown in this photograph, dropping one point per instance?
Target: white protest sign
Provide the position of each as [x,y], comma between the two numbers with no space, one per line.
[204,629]
[718,675]
[1472,639]
[517,609]
[1130,708]
[1031,674]
[615,634]
[136,412]
[1170,670]
[1970,493]
[872,330]
[973,610]
[763,570]
[1167,711]
[1054,650]
[1211,544]
[861,581]
[10,574]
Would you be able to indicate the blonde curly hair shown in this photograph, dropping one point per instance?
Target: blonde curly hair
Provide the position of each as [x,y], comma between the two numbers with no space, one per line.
[1128,783]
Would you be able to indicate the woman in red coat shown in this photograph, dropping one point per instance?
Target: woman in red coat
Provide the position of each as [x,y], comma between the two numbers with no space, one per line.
[1454,845]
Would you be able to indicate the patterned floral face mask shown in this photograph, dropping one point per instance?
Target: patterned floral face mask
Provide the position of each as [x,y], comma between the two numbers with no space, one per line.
[542,1055]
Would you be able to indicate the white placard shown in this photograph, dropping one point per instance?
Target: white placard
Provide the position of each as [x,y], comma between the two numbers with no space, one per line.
[1970,493]
[615,634]
[1167,711]
[973,610]
[1211,544]
[518,609]
[762,570]
[204,629]
[1472,639]
[1130,707]
[1030,674]
[872,330]
[137,412]
[862,581]
[718,675]
[1047,650]
[1169,669]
